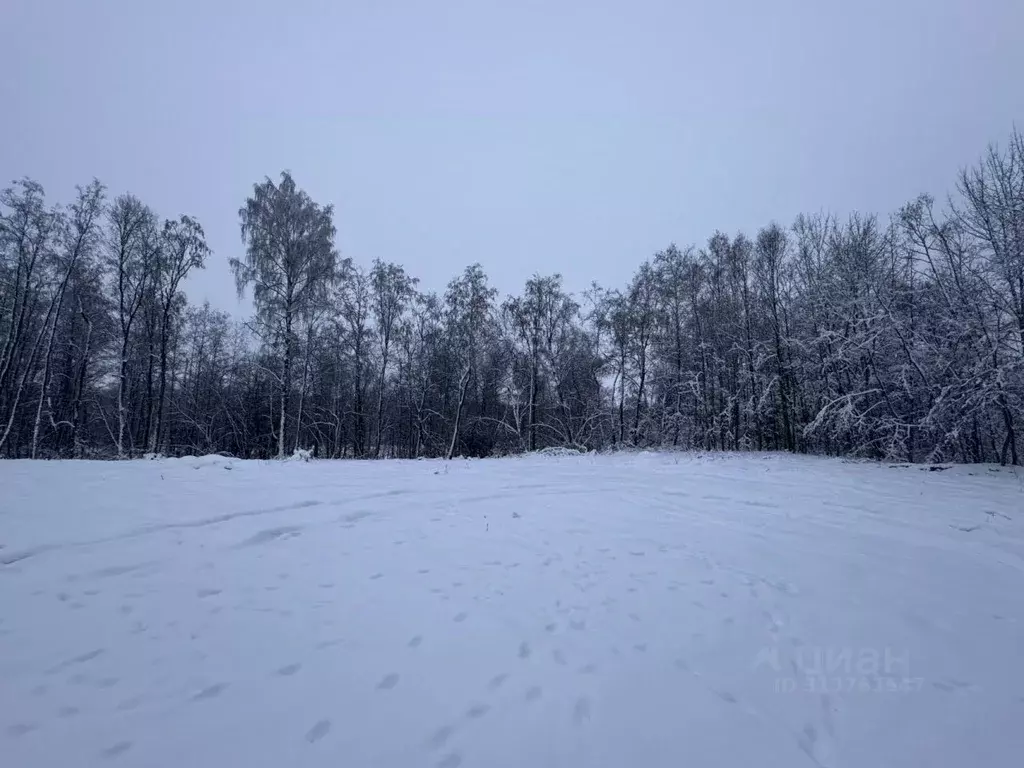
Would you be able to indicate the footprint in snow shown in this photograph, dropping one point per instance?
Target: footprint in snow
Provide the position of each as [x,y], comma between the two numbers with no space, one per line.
[80,659]
[581,711]
[461,616]
[116,750]
[534,692]
[497,681]
[440,737]
[951,685]
[318,731]
[210,692]
[416,641]
[807,741]
[477,711]
[388,682]
[454,760]
[524,650]
[271,534]
[289,669]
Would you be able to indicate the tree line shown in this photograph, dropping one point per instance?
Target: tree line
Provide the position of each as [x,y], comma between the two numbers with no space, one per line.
[898,338]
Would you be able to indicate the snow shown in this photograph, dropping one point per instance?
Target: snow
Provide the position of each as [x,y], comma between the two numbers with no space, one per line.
[586,610]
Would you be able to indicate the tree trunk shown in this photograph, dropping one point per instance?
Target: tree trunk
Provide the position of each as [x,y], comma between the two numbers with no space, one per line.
[533,402]
[639,400]
[464,385]
[162,388]
[302,387]
[25,374]
[46,363]
[76,409]
[286,380]
[620,438]
[122,384]
[380,394]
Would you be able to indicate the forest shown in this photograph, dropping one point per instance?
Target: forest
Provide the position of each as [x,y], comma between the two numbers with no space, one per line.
[897,337]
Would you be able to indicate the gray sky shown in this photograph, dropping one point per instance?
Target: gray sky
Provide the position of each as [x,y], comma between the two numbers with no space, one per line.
[531,136]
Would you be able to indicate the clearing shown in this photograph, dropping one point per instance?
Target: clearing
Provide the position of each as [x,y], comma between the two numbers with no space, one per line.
[652,610]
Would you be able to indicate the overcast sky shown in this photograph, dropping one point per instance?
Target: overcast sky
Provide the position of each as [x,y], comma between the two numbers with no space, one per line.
[564,135]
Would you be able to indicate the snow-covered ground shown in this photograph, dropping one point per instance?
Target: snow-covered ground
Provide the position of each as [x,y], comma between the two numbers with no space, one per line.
[646,610]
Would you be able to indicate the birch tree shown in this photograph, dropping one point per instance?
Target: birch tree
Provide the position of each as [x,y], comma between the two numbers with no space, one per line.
[392,291]
[289,263]
[468,307]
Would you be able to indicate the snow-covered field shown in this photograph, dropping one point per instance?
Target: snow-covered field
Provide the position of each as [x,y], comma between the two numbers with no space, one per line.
[646,610]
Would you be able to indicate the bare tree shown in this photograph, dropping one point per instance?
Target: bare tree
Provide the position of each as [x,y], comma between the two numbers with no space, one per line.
[79,235]
[290,263]
[468,310]
[392,291]
[133,245]
[26,234]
